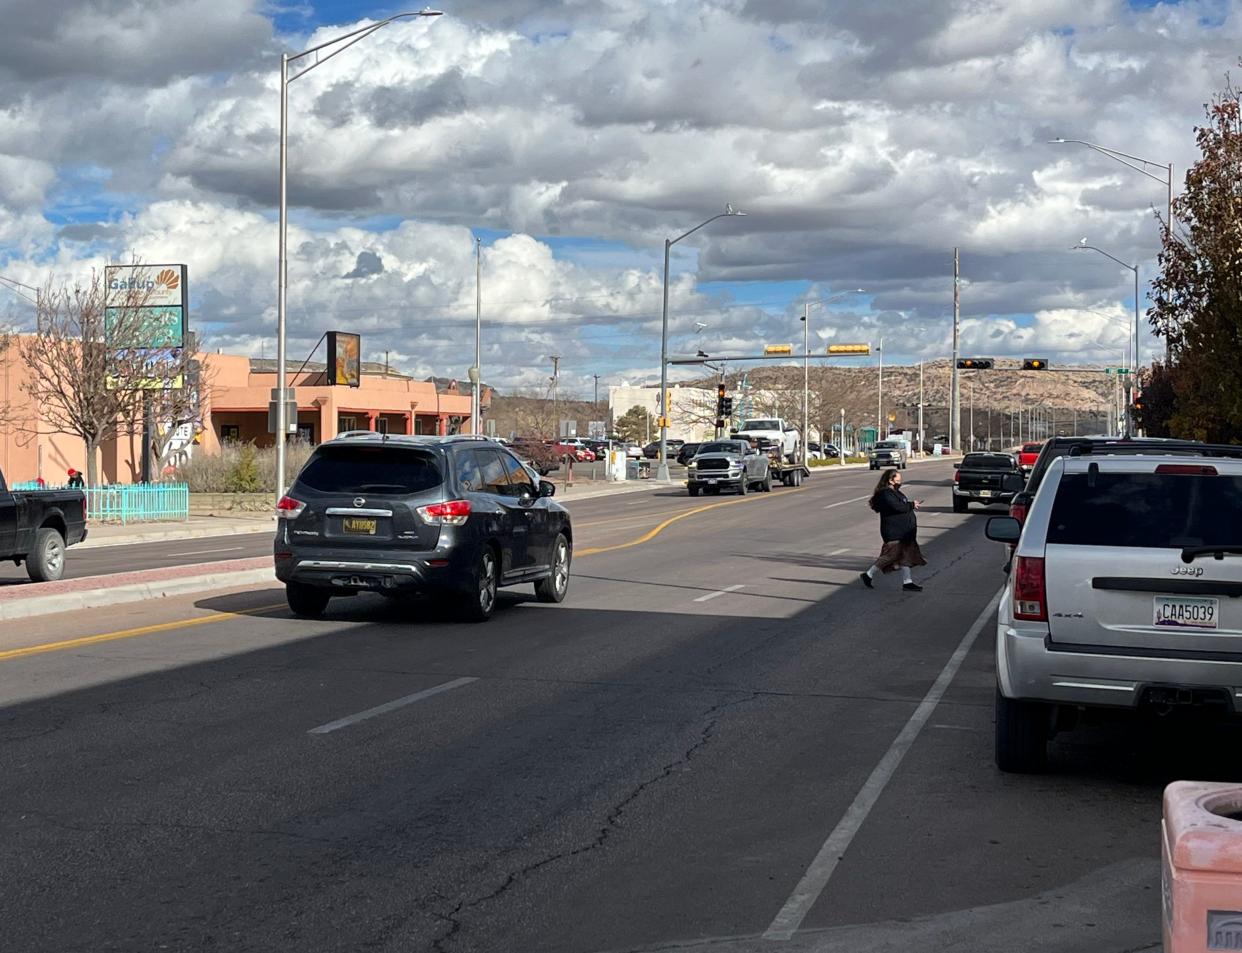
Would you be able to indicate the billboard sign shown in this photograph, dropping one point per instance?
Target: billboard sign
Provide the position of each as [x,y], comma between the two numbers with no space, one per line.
[145,306]
[344,359]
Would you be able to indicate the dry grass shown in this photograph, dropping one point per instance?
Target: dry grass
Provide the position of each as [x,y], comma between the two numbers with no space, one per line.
[217,473]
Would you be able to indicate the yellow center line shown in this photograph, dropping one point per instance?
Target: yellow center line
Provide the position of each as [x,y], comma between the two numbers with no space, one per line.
[128,633]
[10,654]
[647,537]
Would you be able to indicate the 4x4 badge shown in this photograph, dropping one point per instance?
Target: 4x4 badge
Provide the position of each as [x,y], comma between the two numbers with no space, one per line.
[359,501]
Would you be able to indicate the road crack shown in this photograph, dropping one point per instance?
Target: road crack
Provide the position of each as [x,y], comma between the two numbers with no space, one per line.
[612,821]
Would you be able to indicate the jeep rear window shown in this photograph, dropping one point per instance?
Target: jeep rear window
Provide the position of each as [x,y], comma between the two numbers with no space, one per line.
[1147,510]
[396,470]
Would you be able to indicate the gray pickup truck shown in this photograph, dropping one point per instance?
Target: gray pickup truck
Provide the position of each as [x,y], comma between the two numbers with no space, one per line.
[731,464]
[37,526]
[985,478]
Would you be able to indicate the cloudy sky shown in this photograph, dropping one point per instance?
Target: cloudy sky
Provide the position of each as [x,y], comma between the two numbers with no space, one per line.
[864,141]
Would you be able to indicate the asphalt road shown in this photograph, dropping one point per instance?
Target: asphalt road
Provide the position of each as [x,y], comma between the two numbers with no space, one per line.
[721,741]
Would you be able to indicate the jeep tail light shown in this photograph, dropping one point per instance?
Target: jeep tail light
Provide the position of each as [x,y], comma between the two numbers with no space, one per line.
[452,513]
[1186,469]
[1030,594]
[1018,511]
[289,509]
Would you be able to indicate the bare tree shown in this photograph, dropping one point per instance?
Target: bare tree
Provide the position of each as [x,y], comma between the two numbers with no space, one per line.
[99,371]
[534,414]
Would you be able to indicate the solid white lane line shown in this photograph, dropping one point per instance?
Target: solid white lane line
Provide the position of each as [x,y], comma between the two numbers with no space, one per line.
[390,706]
[817,875]
[857,499]
[208,552]
[838,552]
[712,595]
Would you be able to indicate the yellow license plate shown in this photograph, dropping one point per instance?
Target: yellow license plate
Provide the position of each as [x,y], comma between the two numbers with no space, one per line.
[359,526]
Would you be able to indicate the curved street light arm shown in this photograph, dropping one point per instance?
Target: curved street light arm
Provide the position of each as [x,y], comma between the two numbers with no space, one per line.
[674,241]
[1122,157]
[1107,255]
[356,36]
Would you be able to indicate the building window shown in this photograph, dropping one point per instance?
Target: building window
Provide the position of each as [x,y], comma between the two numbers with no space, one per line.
[381,425]
[230,433]
[306,433]
[344,423]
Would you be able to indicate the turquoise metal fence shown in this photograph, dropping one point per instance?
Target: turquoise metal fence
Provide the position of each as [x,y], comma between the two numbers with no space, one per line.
[131,503]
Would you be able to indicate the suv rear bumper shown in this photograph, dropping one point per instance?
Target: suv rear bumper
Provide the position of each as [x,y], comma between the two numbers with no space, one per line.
[1031,666]
[349,571]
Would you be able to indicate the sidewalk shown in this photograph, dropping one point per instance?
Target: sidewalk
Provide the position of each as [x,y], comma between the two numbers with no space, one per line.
[196,527]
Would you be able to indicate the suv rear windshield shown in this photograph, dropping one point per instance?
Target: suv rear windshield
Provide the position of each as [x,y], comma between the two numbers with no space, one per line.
[372,470]
[987,461]
[1147,510]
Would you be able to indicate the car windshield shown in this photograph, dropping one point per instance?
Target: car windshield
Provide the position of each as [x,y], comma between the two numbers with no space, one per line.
[371,470]
[888,445]
[1147,510]
[722,446]
[761,425]
[987,461]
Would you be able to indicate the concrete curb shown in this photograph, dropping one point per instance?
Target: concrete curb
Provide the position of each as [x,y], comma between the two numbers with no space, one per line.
[91,592]
[171,535]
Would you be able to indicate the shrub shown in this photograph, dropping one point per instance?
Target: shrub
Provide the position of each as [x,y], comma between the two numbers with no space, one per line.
[242,468]
[244,477]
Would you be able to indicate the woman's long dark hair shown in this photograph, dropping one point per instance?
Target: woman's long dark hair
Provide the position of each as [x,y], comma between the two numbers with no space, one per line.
[886,478]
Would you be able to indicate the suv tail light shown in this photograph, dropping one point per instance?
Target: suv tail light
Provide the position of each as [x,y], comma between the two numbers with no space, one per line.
[452,513]
[1018,511]
[1030,595]
[1186,469]
[289,509]
[957,476]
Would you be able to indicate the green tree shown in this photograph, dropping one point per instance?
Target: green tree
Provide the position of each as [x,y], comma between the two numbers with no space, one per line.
[1197,298]
[1159,400]
[244,477]
[635,424]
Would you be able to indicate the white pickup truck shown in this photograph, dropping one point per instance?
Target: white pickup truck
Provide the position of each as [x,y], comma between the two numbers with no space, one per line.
[773,431]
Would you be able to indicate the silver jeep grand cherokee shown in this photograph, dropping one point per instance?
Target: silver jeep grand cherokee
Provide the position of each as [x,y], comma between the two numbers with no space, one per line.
[1124,594]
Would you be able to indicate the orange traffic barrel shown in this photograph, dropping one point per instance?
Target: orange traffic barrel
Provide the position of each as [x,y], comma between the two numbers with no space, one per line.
[1201,867]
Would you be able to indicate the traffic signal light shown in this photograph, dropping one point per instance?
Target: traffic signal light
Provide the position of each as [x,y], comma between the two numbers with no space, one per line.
[849,349]
[1034,364]
[720,399]
[974,363]
[726,407]
[778,349]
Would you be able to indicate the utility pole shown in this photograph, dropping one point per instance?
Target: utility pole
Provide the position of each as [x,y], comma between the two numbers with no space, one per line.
[556,416]
[955,410]
[596,376]
[879,412]
[972,415]
[921,434]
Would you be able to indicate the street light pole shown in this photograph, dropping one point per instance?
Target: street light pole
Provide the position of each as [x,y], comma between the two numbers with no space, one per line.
[879,410]
[662,469]
[282,267]
[476,387]
[1134,350]
[1129,162]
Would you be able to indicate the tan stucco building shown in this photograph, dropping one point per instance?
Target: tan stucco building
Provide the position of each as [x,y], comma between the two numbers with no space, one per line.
[237,390]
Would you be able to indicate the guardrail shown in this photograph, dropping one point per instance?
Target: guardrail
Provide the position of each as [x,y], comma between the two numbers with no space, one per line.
[129,503]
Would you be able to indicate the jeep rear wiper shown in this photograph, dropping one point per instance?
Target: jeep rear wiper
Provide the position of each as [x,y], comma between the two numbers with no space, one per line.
[1220,552]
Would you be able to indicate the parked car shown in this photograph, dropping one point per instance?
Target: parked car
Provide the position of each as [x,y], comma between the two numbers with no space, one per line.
[36,527]
[576,452]
[1028,455]
[633,451]
[536,453]
[1123,594]
[652,450]
[888,453]
[687,452]
[454,517]
[981,478]
[728,464]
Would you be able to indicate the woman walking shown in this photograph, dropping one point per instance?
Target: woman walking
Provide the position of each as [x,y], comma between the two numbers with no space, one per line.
[898,530]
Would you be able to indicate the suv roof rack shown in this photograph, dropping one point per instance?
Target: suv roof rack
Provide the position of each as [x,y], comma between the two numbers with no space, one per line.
[1161,447]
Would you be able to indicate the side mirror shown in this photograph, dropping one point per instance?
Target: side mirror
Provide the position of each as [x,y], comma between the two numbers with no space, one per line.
[547,488]
[957,466]
[1003,529]
[1013,483]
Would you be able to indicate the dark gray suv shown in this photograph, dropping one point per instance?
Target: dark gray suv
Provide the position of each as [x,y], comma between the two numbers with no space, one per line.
[452,516]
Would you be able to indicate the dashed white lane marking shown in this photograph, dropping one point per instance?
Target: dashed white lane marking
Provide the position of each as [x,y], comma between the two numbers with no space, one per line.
[208,552]
[817,875]
[857,499]
[838,552]
[720,592]
[390,706]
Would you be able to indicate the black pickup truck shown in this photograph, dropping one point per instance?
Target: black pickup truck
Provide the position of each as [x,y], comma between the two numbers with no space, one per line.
[986,478]
[36,527]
